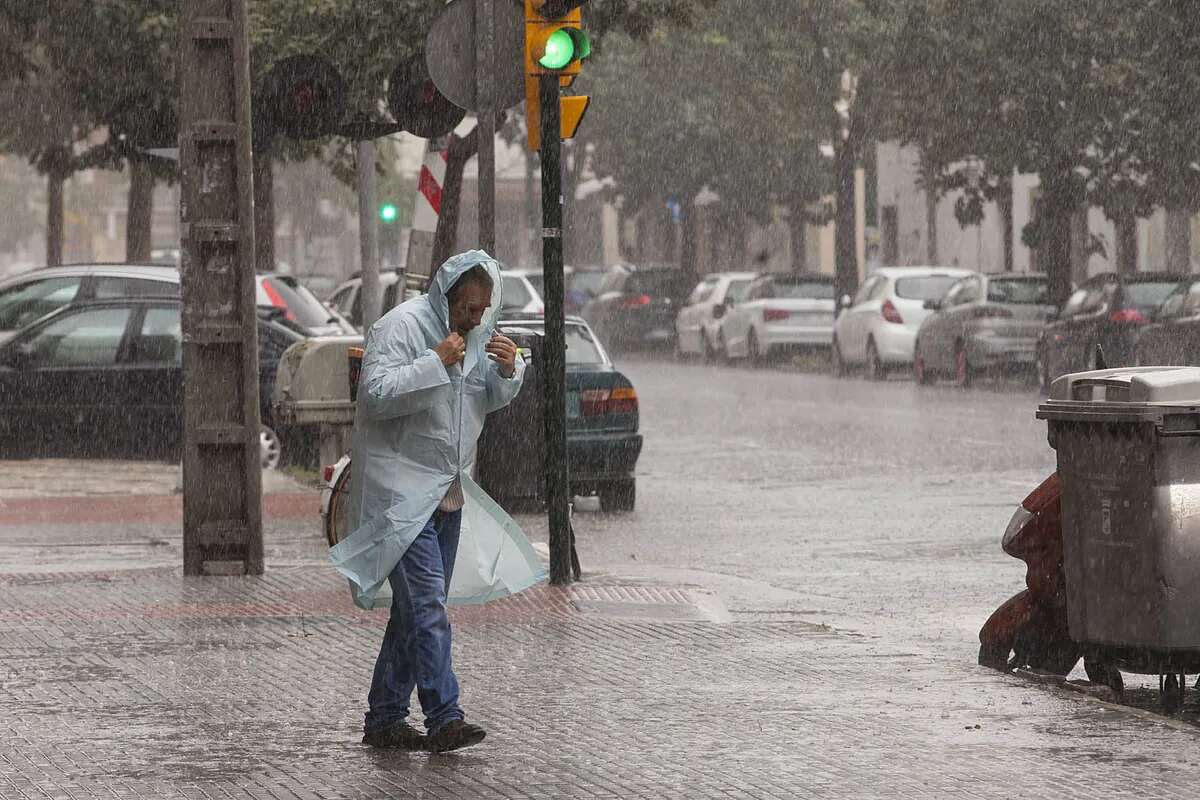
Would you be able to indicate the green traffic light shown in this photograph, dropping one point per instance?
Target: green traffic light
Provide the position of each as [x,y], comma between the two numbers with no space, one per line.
[560,50]
[388,212]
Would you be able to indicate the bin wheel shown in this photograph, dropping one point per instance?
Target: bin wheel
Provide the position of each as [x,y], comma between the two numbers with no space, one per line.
[618,496]
[1171,691]
[1104,674]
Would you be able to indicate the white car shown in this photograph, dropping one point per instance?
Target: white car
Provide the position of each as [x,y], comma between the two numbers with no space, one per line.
[698,324]
[780,311]
[521,291]
[347,299]
[878,327]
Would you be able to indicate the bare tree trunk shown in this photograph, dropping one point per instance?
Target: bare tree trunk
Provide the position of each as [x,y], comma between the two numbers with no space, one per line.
[264,211]
[798,229]
[446,237]
[1004,199]
[1178,240]
[846,223]
[931,227]
[1125,226]
[54,218]
[139,215]
[687,245]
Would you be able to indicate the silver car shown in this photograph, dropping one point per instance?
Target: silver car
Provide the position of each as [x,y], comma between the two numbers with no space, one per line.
[984,323]
[698,324]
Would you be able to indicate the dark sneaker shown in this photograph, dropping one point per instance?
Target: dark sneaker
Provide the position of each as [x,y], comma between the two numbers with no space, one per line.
[455,735]
[401,735]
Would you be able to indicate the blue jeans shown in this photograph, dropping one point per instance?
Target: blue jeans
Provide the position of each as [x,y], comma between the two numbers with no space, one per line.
[416,645]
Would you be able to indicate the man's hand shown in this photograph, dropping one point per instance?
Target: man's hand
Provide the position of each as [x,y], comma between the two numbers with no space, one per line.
[503,351]
[452,350]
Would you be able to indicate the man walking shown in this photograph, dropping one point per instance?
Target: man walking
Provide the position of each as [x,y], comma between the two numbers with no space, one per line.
[433,369]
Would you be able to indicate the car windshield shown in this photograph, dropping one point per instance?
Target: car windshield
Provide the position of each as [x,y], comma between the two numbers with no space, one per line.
[516,294]
[588,282]
[925,287]
[803,290]
[657,283]
[582,349]
[1148,295]
[1022,291]
[535,278]
[736,292]
[302,306]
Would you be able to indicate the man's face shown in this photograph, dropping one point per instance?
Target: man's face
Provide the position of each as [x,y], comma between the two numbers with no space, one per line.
[467,307]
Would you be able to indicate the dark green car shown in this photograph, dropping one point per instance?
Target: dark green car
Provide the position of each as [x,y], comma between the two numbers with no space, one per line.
[603,443]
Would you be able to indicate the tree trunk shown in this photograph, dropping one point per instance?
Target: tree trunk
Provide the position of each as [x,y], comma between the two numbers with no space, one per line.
[54,218]
[1056,246]
[931,227]
[264,212]
[798,228]
[846,222]
[1004,199]
[1125,225]
[1178,241]
[139,215]
[446,237]
[687,245]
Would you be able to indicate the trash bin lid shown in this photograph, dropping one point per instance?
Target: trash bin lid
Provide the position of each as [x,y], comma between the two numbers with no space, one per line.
[1166,396]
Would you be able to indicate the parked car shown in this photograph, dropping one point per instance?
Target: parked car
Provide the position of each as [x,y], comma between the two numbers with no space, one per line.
[521,292]
[582,284]
[983,323]
[635,305]
[31,295]
[347,299]
[603,443]
[105,376]
[1108,310]
[1172,339]
[698,325]
[878,327]
[779,311]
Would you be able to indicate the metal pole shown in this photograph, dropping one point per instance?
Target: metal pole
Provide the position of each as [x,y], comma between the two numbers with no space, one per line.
[558,482]
[485,69]
[222,472]
[368,233]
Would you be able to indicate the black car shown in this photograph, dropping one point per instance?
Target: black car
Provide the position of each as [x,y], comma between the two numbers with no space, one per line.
[1108,310]
[1173,339]
[636,306]
[603,443]
[104,377]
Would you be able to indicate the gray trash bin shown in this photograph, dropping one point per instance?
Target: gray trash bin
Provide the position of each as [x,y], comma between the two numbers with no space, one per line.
[1128,444]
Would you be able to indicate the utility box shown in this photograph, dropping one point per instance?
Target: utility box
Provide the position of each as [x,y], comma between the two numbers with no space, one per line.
[1128,445]
[312,387]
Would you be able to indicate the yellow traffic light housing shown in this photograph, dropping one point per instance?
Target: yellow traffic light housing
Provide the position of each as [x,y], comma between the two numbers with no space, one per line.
[555,44]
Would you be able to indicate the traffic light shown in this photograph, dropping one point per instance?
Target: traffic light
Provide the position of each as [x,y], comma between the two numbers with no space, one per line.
[555,44]
[388,213]
[417,104]
[302,97]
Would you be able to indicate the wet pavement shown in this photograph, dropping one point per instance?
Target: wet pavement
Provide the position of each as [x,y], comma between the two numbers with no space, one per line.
[791,612]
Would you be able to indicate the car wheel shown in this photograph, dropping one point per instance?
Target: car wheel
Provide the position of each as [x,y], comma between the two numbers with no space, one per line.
[1043,371]
[921,372]
[752,349]
[837,364]
[618,496]
[963,372]
[269,448]
[876,371]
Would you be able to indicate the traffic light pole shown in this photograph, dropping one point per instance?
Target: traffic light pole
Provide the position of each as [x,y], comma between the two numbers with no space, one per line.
[554,374]
[222,470]
[485,58]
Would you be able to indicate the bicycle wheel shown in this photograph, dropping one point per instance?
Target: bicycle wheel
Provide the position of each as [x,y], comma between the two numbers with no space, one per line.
[335,522]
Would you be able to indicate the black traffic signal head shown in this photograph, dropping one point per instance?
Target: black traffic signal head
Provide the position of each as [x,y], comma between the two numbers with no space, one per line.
[303,97]
[416,103]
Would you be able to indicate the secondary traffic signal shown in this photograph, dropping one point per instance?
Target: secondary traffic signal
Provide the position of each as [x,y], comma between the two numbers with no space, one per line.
[302,97]
[388,212]
[555,44]
[417,104]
